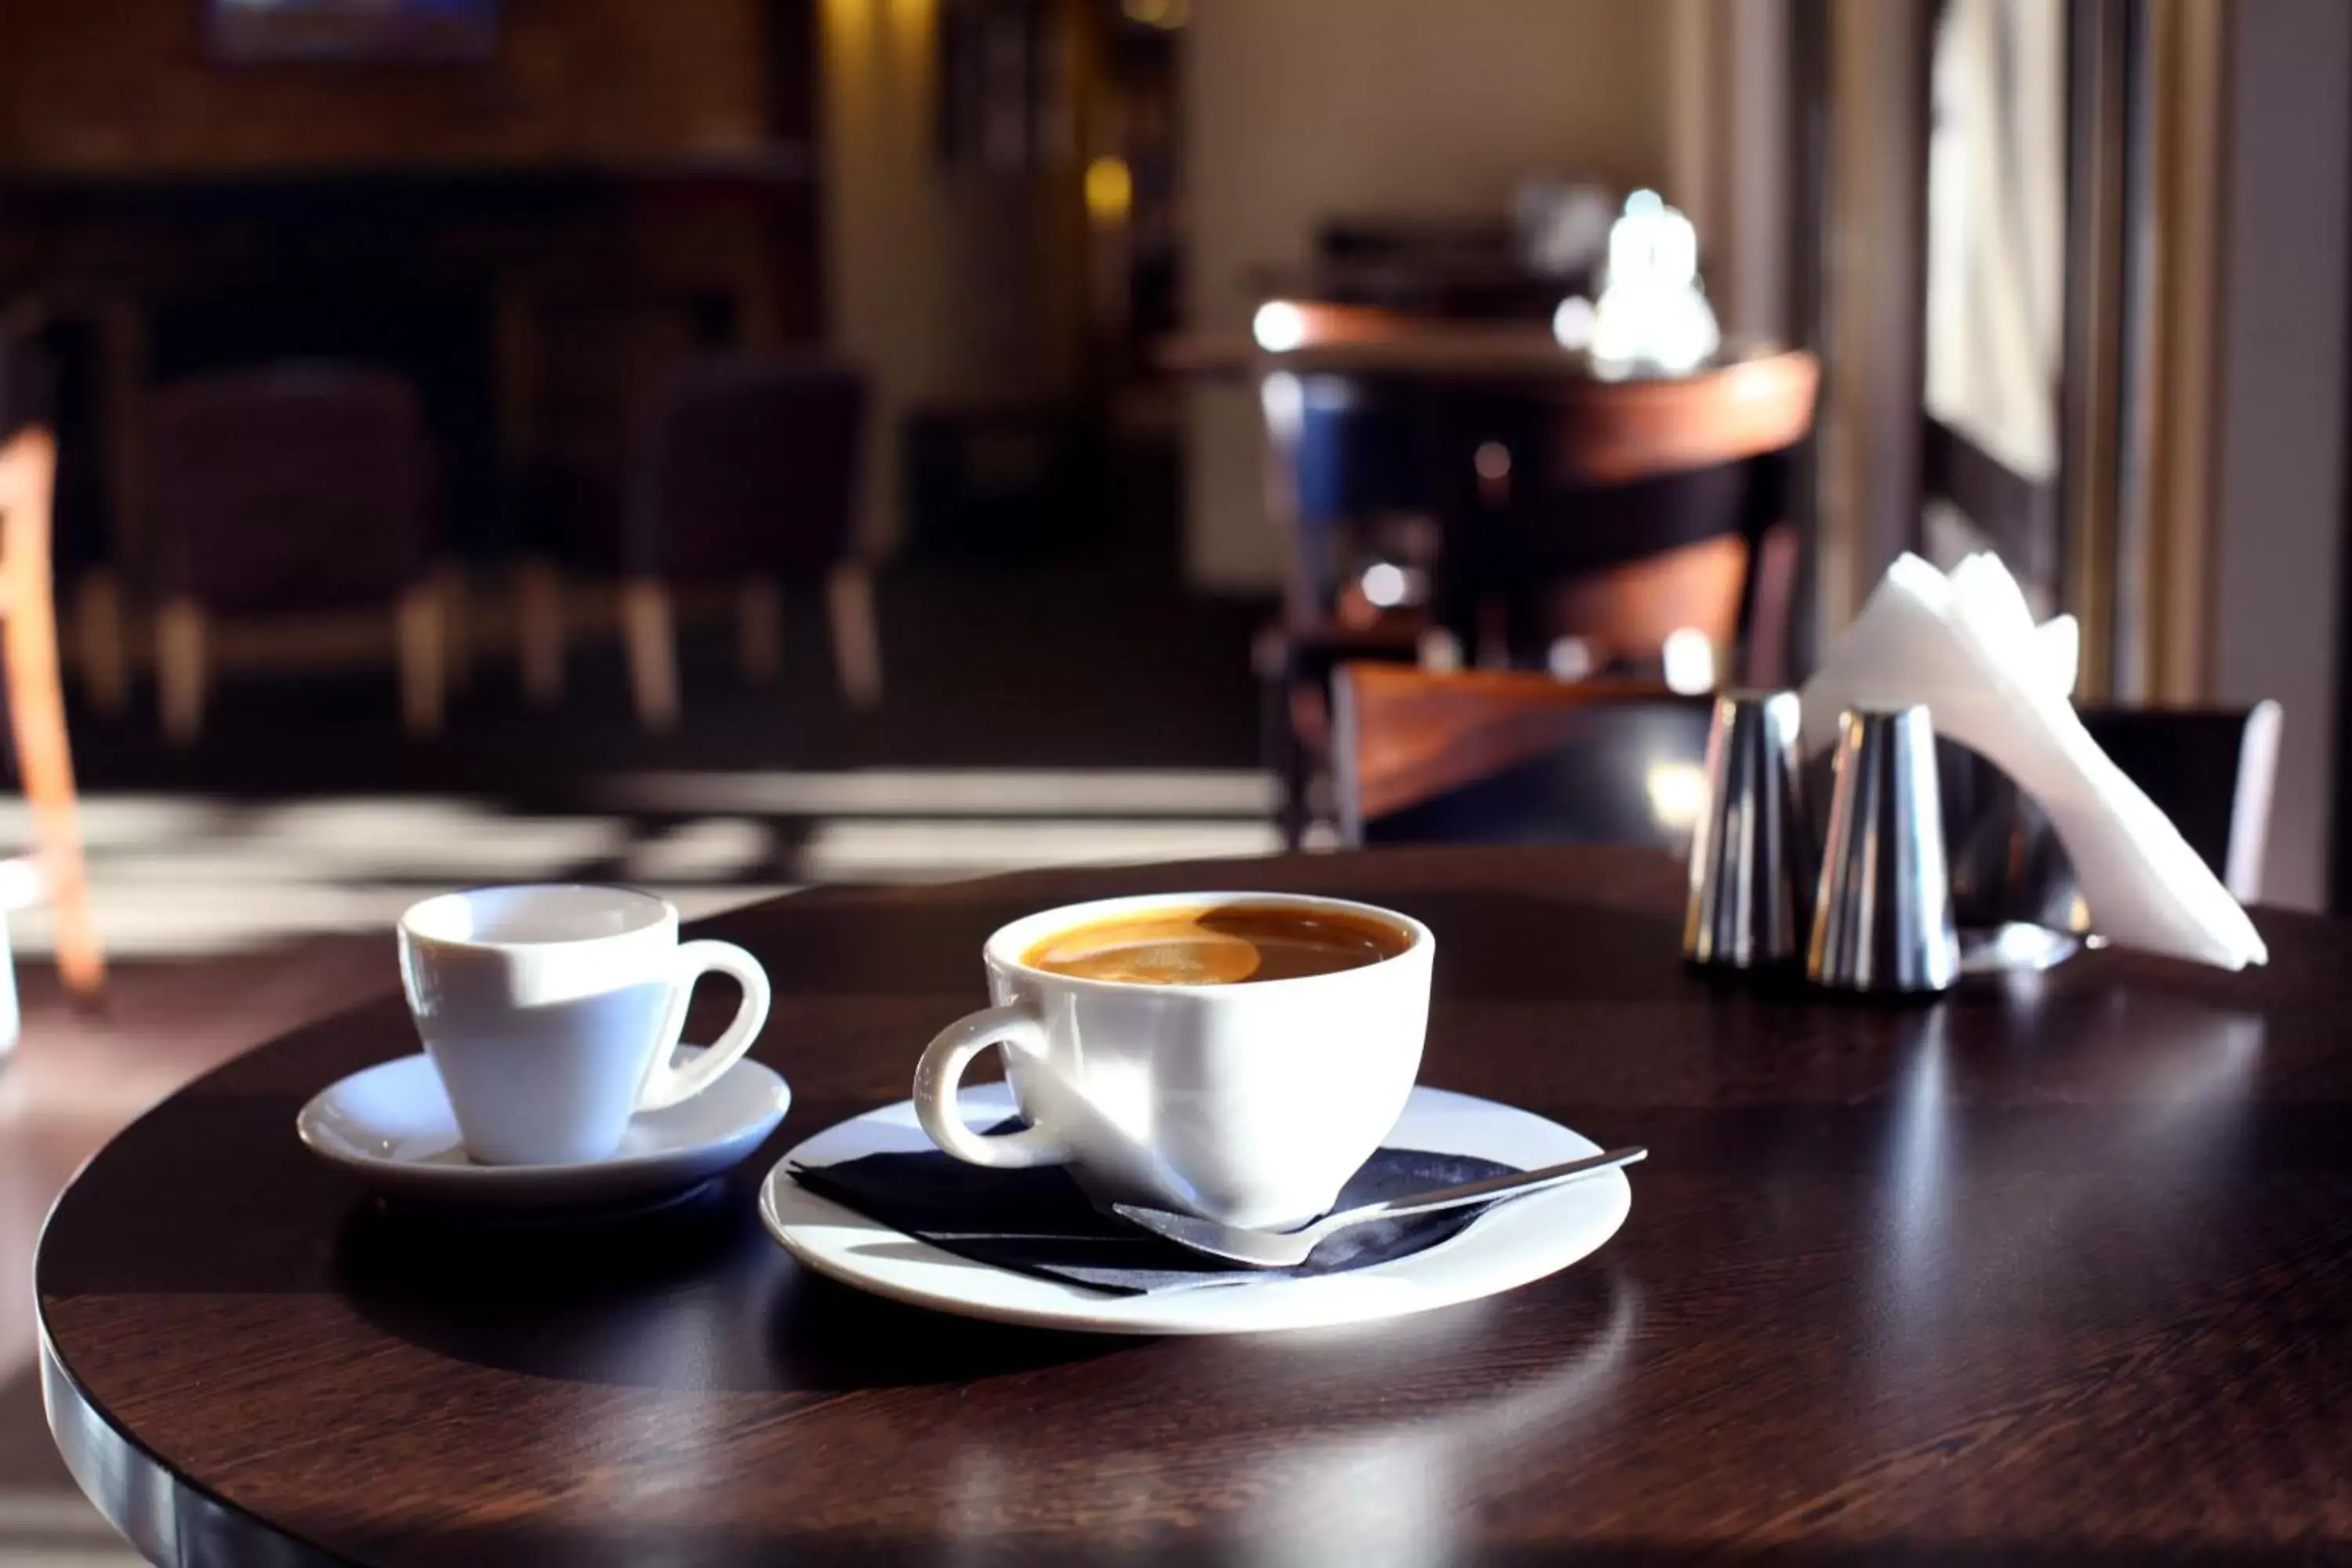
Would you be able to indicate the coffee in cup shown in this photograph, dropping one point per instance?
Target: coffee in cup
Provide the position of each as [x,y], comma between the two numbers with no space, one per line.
[1218,944]
[1237,1056]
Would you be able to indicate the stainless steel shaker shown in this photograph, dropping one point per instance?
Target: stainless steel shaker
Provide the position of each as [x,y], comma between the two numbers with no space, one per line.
[1751,868]
[1882,906]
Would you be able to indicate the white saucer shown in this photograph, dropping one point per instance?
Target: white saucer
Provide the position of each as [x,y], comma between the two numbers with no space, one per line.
[1508,1245]
[391,1126]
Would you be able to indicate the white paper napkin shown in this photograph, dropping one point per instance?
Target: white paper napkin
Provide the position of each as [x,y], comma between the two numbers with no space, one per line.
[1967,646]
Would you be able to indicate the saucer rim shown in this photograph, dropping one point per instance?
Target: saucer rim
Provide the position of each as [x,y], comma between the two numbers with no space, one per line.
[418,1172]
[1518,1252]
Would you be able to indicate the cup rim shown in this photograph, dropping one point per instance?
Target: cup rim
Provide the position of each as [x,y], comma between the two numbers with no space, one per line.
[1004,944]
[662,911]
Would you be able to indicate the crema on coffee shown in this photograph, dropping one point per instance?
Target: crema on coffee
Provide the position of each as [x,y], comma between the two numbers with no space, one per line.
[1218,946]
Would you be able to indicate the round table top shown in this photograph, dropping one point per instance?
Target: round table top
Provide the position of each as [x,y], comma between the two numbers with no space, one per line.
[1431,347]
[2056,1270]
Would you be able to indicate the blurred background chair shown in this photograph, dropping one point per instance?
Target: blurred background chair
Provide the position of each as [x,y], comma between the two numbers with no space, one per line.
[36,712]
[1613,515]
[295,487]
[1575,524]
[1513,757]
[2213,771]
[745,472]
[1360,501]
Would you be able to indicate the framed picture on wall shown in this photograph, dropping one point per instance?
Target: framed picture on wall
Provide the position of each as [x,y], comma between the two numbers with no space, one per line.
[411,32]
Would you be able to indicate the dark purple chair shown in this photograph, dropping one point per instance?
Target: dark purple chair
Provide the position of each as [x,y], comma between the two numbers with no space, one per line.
[745,472]
[300,487]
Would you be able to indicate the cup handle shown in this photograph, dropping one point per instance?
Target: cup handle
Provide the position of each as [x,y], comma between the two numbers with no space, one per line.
[941,1070]
[667,1083]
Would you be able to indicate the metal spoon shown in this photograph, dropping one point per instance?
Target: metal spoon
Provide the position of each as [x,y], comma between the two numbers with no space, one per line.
[1281,1249]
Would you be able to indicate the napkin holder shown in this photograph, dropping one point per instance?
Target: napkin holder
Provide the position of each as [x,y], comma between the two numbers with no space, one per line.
[1967,648]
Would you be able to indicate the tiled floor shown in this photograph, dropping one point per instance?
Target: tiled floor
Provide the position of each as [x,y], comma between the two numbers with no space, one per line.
[176,874]
[1031,718]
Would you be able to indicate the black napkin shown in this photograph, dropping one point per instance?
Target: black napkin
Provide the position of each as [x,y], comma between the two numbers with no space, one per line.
[1038,1221]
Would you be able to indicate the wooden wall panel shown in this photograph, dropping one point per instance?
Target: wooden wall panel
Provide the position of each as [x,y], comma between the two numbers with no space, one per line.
[127,85]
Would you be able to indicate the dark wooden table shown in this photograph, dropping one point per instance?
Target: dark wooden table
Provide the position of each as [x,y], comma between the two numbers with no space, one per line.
[2056,1272]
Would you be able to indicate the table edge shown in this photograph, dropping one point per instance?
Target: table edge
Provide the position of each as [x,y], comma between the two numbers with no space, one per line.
[167,1517]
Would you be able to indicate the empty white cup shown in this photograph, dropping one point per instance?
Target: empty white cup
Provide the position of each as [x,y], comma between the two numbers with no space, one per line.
[552,1014]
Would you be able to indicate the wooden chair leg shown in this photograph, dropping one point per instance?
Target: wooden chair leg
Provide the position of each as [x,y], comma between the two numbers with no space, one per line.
[539,631]
[179,674]
[759,629]
[423,635]
[1286,759]
[454,585]
[857,640]
[653,651]
[36,710]
[98,643]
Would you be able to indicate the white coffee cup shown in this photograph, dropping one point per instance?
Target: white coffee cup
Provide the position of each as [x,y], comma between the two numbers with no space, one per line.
[552,1014]
[1249,1103]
